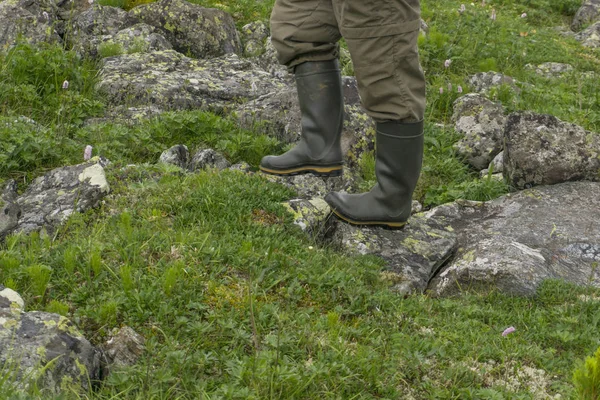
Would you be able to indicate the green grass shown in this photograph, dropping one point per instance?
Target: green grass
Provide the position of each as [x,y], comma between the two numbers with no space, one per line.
[234,300]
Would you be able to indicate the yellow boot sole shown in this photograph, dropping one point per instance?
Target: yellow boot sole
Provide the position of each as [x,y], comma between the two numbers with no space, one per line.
[394,225]
[307,169]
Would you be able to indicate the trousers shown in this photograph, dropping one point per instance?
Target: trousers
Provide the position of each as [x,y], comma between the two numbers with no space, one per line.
[381,36]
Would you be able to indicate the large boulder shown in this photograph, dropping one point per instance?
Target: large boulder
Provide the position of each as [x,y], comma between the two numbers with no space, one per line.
[52,198]
[483,82]
[140,38]
[43,349]
[193,30]
[17,23]
[514,243]
[543,150]
[590,37]
[170,80]
[254,38]
[481,122]
[94,26]
[588,13]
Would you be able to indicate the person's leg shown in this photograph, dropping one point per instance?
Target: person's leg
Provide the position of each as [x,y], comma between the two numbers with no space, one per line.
[382,39]
[305,35]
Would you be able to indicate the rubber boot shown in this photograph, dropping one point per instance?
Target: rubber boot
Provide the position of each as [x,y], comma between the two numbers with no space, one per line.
[399,155]
[321,100]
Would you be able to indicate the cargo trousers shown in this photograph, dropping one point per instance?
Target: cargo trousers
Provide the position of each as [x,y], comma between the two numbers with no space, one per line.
[381,36]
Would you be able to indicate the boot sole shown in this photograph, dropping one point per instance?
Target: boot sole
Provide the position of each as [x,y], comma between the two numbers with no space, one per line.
[315,170]
[393,225]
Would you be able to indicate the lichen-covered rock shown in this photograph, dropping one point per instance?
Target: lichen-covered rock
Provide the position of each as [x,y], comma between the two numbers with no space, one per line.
[590,37]
[311,215]
[43,349]
[208,158]
[514,243]
[254,38]
[10,211]
[242,167]
[178,155]
[93,27]
[18,23]
[140,38]
[124,348]
[308,186]
[551,69]
[268,61]
[193,30]
[412,255]
[588,13]
[482,82]
[481,122]
[543,150]
[169,80]
[52,198]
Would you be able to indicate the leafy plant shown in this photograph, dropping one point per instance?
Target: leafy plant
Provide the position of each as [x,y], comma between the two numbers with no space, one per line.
[586,378]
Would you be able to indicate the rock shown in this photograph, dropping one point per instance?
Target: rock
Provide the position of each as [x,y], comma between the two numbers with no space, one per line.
[588,13]
[543,150]
[481,122]
[208,158]
[52,198]
[242,167]
[124,348]
[140,38]
[412,255]
[590,37]
[193,30]
[18,23]
[43,349]
[93,27]
[311,215]
[424,29]
[309,186]
[268,61]
[514,243]
[177,155]
[169,80]
[482,82]
[10,211]
[551,69]
[254,37]
[497,167]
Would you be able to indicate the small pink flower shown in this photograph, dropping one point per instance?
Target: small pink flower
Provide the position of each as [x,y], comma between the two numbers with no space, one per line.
[441,90]
[524,15]
[447,63]
[462,8]
[65,85]
[508,331]
[493,17]
[459,89]
[450,86]
[87,153]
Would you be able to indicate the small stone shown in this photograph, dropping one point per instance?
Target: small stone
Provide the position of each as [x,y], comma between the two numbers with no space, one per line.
[125,347]
[177,155]
[208,158]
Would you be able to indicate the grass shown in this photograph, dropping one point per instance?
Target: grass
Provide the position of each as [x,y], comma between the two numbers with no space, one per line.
[234,300]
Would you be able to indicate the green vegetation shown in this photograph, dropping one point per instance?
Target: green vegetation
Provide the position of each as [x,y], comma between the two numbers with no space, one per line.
[587,378]
[234,300]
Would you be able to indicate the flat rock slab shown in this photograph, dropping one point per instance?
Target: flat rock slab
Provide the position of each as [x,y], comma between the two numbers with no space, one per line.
[514,243]
[169,80]
[412,255]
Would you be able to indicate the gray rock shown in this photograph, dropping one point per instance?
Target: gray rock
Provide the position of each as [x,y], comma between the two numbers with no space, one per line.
[169,80]
[551,69]
[424,29]
[93,27]
[481,122]
[311,215]
[52,198]
[140,38]
[412,255]
[543,150]
[242,167]
[193,30]
[514,243]
[17,22]
[124,348]
[308,186]
[268,61]
[254,38]
[10,211]
[208,158]
[44,349]
[590,37]
[177,155]
[587,14]
[482,82]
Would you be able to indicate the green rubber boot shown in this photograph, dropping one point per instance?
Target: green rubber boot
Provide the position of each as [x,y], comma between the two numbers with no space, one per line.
[319,150]
[398,166]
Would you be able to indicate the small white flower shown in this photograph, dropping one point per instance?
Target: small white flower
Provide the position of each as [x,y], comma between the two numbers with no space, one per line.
[46,16]
[462,8]
[493,17]
[459,89]
[310,247]
[441,90]
[87,153]
[65,85]
[524,15]
[447,63]
[91,2]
